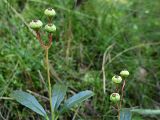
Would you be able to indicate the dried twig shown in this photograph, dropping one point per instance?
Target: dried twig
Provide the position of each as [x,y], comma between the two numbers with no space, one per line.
[132,48]
[75,114]
[6,98]
[105,57]
[20,16]
[38,95]
[41,77]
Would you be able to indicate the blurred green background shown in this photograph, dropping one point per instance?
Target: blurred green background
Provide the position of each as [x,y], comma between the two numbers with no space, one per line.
[94,38]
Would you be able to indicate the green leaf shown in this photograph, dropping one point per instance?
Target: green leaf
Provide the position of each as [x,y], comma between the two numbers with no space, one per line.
[77,99]
[59,91]
[29,101]
[125,114]
[146,111]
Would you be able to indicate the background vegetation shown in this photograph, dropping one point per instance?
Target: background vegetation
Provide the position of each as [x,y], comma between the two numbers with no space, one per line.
[91,35]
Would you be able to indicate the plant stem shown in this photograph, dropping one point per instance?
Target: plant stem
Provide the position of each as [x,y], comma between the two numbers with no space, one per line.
[118,114]
[49,84]
[122,92]
[118,108]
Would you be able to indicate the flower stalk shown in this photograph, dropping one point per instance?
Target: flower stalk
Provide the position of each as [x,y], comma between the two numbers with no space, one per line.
[49,82]
[115,97]
[49,28]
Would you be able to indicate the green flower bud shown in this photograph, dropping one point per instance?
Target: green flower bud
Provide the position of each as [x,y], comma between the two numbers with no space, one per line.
[50,12]
[115,97]
[50,28]
[35,24]
[117,79]
[124,73]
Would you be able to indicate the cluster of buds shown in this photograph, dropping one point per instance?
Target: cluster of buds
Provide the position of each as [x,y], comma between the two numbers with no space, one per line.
[50,28]
[115,97]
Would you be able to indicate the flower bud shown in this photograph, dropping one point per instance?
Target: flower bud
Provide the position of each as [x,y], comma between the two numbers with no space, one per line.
[50,28]
[50,12]
[117,79]
[115,97]
[124,73]
[35,24]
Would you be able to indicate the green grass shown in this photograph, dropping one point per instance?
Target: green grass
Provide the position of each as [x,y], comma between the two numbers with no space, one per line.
[84,33]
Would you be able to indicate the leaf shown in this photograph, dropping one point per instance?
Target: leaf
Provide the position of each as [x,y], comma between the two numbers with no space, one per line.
[125,114]
[76,99]
[59,91]
[29,101]
[146,111]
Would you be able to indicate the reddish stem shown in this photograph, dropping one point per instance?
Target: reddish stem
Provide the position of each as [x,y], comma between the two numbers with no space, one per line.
[41,42]
[117,88]
[122,92]
[50,40]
